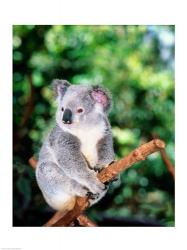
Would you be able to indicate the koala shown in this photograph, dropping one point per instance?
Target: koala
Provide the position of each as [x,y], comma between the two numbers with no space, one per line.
[78,147]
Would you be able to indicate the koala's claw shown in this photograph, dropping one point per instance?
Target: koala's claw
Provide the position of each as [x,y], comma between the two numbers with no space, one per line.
[114,179]
[106,186]
[97,169]
[92,196]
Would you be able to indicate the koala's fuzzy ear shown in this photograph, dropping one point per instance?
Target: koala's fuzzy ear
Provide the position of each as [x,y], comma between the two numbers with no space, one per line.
[60,87]
[101,96]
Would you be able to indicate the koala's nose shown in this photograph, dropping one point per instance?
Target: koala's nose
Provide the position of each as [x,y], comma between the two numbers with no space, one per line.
[67,116]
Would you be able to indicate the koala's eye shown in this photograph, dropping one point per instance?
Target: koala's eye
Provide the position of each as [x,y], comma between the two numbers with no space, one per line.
[62,109]
[79,110]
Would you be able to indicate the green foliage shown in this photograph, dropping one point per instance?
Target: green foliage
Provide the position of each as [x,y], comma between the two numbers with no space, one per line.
[136,63]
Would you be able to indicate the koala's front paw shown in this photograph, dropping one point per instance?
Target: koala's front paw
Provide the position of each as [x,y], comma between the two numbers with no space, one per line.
[97,168]
[92,196]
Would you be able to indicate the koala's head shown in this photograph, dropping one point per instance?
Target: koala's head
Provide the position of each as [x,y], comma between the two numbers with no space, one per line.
[80,105]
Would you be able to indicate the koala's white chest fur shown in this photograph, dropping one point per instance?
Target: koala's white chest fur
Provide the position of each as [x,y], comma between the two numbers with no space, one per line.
[89,137]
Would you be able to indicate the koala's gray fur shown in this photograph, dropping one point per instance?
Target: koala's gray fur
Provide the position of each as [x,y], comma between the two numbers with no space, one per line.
[77,148]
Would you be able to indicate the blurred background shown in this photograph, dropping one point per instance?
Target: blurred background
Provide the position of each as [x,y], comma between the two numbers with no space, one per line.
[136,63]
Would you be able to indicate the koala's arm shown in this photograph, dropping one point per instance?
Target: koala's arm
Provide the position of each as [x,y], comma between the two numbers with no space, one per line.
[70,159]
[106,156]
[105,150]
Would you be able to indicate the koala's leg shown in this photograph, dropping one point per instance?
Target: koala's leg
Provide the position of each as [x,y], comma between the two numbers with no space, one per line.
[60,202]
[58,190]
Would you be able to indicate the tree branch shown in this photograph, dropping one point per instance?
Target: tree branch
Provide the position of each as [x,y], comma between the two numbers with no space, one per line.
[168,163]
[165,158]
[85,221]
[105,175]
[33,162]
